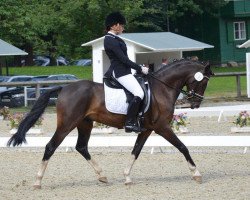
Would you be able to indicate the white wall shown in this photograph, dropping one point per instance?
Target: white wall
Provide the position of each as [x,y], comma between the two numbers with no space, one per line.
[248,73]
[101,61]
[106,62]
[97,61]
[131,49]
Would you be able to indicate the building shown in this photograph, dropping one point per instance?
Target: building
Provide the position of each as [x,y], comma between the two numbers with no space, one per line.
[225,31]
[7,49]
[144,48]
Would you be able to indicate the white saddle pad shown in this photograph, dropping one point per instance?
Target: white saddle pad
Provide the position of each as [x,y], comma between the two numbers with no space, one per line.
[115,100]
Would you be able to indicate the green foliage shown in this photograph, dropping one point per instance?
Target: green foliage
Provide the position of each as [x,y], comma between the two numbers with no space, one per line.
[5,112]
[16,118]
[178,121]
[243,119]
[59,27]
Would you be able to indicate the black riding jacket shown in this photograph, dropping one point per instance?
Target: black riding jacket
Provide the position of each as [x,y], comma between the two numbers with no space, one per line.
[116,50]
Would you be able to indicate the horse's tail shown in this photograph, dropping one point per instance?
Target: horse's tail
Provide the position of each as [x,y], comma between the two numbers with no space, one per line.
[37,110]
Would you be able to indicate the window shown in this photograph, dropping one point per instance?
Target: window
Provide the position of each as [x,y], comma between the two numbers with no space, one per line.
[239,31]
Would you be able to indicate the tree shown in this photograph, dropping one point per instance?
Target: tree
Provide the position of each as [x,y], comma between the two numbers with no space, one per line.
[157,14]
[16,23]
[59,27]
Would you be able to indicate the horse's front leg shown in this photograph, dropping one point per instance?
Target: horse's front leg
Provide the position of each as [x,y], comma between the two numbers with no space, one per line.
[170,136]
[140,141]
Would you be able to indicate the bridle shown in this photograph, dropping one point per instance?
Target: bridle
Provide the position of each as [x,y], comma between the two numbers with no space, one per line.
[190,94]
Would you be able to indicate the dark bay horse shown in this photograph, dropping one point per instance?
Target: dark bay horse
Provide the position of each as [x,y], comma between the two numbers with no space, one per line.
[81,103]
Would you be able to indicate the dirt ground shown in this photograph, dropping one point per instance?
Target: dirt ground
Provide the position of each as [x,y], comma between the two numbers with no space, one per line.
[158,176]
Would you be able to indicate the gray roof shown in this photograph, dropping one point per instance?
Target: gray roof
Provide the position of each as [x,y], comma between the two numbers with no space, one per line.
[161,41]
[7,49]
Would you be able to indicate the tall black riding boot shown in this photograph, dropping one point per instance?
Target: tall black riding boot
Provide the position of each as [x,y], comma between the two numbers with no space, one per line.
[131,123]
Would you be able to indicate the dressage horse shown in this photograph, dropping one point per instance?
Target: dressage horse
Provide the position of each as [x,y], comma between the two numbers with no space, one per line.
[81,103]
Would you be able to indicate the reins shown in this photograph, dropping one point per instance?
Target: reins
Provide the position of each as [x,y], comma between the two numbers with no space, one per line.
[189,94]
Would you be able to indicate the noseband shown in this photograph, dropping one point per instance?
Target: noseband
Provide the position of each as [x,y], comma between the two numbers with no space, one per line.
[190,94]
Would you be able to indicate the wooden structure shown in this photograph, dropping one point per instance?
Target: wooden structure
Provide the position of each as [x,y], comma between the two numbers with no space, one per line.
[225,31]
[144,48]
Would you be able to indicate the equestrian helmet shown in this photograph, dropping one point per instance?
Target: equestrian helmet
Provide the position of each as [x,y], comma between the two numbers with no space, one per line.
[114,18]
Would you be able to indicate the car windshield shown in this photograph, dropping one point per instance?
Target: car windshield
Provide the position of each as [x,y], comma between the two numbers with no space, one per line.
[71,78]
[4,79]
[39,78]
[84,62]
[20,79]
[62,77]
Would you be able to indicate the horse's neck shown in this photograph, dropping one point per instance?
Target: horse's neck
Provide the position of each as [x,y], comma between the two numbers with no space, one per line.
[174,75]
[174,78]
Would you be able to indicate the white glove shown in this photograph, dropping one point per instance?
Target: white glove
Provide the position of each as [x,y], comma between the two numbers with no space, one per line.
[144,70]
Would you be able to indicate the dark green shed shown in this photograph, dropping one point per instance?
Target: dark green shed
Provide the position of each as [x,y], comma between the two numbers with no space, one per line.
[225,31]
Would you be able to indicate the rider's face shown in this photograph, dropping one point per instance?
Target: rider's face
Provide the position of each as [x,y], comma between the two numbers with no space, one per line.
[118,28]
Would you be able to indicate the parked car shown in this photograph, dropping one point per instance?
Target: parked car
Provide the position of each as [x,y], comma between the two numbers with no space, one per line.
[61,61]
[13,96]
[45,61]
[61,77]
[32,92]
[8,79]
[81,62]
[42,60]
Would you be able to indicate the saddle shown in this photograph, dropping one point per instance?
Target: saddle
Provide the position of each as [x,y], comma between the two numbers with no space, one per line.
[113,83]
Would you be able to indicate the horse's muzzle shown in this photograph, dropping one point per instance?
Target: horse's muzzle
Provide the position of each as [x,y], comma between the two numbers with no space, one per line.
[195,104]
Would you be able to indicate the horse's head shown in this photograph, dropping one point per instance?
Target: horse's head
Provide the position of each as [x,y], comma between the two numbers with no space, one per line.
[197,83]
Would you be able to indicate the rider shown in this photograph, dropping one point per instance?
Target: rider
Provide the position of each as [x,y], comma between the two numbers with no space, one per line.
[121,66]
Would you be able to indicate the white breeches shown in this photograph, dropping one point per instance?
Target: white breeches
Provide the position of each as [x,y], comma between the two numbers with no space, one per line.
[131,84]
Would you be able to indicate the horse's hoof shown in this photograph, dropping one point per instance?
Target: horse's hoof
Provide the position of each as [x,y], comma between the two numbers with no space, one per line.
[103,179]
[198,179]
[37,187]
[128,183]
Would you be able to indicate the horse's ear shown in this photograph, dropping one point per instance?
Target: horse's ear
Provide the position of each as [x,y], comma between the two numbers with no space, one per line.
[206,64]
[208,69]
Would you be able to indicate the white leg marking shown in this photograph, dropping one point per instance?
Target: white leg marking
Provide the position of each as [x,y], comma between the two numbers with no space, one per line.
[127,171]
[40,174]
[98,171]
[195,173]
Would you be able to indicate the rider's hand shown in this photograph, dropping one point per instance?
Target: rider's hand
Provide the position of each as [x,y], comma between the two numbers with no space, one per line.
[144,70]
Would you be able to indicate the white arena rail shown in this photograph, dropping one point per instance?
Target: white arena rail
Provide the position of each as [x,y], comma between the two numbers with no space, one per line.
[214,111]
[158,141]
[153,141]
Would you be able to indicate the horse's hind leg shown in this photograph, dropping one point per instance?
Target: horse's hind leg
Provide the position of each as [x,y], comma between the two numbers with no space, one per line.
[84,131]
[50,148]
[170,136]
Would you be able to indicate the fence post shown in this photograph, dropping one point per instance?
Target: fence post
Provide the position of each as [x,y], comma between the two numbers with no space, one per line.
[238,86]
[25,97]
[38,86]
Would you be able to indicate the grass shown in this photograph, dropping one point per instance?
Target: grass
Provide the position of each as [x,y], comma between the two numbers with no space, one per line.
[226,86]
[79,71]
